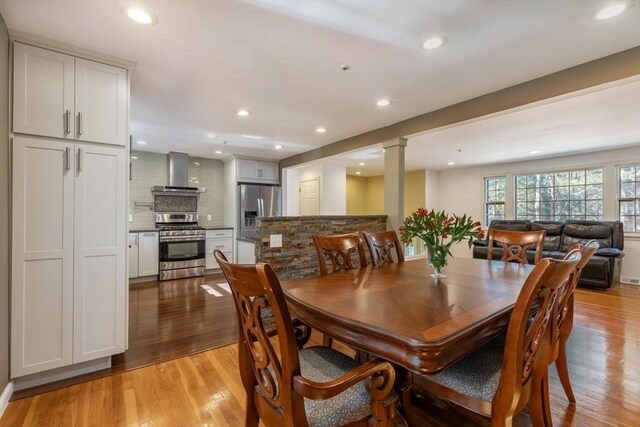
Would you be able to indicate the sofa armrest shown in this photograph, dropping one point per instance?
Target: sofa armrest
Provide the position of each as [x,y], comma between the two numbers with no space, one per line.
[480,243]
[610,252]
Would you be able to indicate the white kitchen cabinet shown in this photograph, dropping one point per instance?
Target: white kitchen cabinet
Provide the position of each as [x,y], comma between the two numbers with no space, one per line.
[101,102]
[221,239]
[257,171]
[43,91]
[148,247]
[62,96]
[246,252]
[133,255]
[69,252]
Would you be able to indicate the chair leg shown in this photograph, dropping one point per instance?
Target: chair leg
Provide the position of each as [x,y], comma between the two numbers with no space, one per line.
[539,407]
[563,371]
[407,407]
[327,341]
[251,416]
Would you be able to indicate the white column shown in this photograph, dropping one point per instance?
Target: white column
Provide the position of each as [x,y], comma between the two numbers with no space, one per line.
[394,181]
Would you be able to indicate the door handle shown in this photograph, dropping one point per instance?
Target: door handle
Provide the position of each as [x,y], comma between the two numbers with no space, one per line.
[67,118]
[79,123]
[79,159]
[67,159]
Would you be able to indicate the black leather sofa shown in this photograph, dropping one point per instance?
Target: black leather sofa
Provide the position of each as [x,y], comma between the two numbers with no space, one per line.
[603,268]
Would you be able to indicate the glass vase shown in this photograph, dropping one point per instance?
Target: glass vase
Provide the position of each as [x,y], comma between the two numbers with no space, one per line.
[437,260]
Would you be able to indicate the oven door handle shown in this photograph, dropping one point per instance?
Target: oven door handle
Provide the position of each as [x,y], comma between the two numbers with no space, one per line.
[182,239]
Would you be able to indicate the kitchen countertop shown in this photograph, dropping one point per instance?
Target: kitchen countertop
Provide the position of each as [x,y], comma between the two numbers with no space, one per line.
[242,239]
[142,230]
[212,227]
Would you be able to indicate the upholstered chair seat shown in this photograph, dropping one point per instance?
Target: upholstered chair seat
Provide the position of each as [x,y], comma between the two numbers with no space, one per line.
[324,364]
[477,374]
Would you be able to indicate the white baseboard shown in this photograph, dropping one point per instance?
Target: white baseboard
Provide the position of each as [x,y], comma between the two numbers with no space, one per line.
[5,396]
[40,378]
[630,280]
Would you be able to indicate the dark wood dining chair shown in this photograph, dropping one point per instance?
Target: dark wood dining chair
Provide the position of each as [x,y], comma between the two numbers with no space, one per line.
[382,245]
[499,379]
[339,248]
[302,330]
[313,386]
[515,244]
[563,324]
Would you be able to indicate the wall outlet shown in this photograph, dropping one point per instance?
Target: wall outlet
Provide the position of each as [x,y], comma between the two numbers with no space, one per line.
[275,241]
[130,218]
[209,217]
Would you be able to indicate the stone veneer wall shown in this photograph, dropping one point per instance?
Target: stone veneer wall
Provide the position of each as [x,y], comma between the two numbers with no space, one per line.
[297,256]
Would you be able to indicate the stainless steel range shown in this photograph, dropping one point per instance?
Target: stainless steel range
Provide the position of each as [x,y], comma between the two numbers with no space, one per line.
[182,245]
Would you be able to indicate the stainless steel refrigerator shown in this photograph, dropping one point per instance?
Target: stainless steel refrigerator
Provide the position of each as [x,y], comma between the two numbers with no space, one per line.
[257,201]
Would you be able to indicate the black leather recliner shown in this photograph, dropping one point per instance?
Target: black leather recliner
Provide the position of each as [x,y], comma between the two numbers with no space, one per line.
[602,270]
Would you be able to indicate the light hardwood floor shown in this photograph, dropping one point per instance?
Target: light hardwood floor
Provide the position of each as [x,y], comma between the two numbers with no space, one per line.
[204,389]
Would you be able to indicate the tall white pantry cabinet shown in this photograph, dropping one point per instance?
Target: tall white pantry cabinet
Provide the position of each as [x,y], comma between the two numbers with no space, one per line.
[69,230]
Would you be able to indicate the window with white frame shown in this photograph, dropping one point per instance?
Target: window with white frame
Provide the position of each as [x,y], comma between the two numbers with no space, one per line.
[629,197]
[494,198]
[559,196]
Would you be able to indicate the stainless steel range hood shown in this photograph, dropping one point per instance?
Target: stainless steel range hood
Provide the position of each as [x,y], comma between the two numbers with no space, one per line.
[178,164]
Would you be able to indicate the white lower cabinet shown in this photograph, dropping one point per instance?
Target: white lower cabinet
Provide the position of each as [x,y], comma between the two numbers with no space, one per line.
[222,240]
[148,246]
[133,255]
[69,253]
[246,252]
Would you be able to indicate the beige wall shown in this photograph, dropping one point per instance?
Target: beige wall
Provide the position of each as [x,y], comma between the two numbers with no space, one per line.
[356,195]
[150,169]
[365,195]
[4,205]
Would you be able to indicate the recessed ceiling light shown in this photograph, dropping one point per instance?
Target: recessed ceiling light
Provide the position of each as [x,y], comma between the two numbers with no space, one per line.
[134,157]
[218,152]
[384,151]
[278,147]
[611,11]
[383,102]
[534,151]
[141,142]
[252,136]
[451,163]
[211,136]
[197,163]
[358,173]
[361,164]
[243,113]
[141,16]
[321,130]
[434,42]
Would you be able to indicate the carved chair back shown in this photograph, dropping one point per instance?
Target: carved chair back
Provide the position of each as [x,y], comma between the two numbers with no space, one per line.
[339,249]
[515,244]
[563,322]
[528,335]
[381,246]
[266,377]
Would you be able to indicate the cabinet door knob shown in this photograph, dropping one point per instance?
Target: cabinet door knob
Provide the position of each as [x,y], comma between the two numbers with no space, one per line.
[67,118]
[79,159]
[79,123]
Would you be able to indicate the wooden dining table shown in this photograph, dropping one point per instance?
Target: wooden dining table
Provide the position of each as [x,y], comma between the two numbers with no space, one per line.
[402,314]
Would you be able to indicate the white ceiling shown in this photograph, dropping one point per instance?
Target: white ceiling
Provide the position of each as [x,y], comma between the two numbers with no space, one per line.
[600,118]
[281,61]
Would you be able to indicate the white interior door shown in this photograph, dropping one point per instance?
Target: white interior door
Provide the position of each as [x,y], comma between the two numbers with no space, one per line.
[310,197]
[101,102]
[99,252]
[42,92]
[42,256]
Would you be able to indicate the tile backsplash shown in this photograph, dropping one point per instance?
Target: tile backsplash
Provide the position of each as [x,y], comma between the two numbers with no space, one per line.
[149,169]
